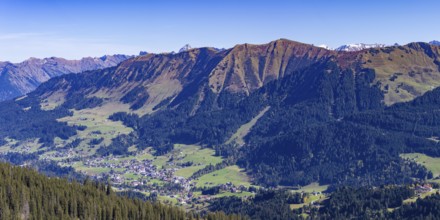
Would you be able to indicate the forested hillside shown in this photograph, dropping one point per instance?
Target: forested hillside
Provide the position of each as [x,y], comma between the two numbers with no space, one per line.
[384,202]
[358,149]
[25,194]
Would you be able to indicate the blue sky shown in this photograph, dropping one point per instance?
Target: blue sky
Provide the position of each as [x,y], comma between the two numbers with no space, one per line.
[74,29]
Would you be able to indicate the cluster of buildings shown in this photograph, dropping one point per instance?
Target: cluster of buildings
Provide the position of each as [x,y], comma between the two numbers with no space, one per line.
[146,171]
[423,188]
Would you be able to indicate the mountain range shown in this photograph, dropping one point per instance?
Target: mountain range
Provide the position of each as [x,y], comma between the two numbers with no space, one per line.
[401,72]
[288,113]
[363,46]
[17,79]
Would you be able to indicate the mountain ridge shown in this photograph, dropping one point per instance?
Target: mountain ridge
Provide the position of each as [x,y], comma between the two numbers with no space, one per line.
[17,79]
[246,67]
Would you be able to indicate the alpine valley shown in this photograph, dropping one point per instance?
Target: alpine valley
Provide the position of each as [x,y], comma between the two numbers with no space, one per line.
[282,130]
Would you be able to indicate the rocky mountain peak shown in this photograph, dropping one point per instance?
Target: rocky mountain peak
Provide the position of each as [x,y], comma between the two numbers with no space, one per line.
[186,47]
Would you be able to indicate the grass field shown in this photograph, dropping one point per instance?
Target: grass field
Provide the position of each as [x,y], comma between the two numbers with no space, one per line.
[425,75]
[131,176]
[311,197]
[29,146]
[238,137]
[98,126]
[166,199]
[238,194]
[187,153]
[231,174]
[53,101]
[424,195]
[297,206]
[313,187]
[431,163]
[188,171]
[141,156]
[79,166]
[308,200]
[196,154]
[156,181]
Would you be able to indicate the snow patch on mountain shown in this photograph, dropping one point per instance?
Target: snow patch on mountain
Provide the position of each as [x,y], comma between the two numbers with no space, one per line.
[358,47]
[325,46]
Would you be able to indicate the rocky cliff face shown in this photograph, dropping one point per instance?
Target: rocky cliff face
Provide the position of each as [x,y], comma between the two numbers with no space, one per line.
[20,78]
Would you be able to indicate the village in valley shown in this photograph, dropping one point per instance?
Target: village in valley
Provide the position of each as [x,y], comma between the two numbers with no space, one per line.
[167,177]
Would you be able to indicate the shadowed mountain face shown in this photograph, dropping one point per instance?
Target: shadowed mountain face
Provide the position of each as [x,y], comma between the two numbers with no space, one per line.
[17,79]
[312,110]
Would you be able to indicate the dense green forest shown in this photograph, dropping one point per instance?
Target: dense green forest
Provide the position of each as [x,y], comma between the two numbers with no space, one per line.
[428,208]
[24,120]
[359,149]
[384,202]
[265,205]
[25,194]
[364,203]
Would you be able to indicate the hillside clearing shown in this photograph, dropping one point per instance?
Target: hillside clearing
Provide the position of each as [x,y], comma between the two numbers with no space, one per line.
[431,163]
[238,137]
[232,174]
[312,187]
